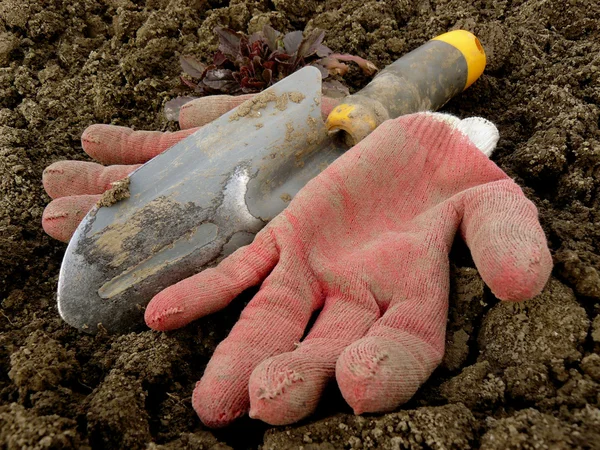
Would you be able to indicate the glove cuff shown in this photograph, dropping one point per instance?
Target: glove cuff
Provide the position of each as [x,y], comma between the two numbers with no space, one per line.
[480,131]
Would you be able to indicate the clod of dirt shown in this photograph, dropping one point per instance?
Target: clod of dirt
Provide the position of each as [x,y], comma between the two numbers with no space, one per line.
[117,417]
[13,16]
[528,383]
[550,326]
[8,43]
[595,333]
[528,428]
[119,191]
[542,158]
[579,391]
[59,401]
[584,278]
[149,356]
[591,366]
[466,306]
[440,427]
[42,363]
[15,300]
[175,415]
[368,28]
[475,386]
[586,422]
[559,157]
[235,16]
[296,10]
[192,441]
[274,19]
[457,349]
[20,429]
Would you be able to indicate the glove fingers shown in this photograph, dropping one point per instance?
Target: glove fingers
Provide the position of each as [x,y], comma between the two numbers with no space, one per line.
[385,368]
[287,388]
[506,240]
[273,321]
[377,373]
[66,178]
[203,110]
[110,144]
[63,215]
[212,289]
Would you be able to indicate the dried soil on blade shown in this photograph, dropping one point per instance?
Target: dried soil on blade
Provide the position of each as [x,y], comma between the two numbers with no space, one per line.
[513,376]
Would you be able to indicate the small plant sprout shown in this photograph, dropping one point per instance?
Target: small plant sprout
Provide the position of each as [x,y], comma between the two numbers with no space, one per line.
[248,64]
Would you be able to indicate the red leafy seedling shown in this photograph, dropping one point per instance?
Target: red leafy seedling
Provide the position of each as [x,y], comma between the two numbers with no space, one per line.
[248,64]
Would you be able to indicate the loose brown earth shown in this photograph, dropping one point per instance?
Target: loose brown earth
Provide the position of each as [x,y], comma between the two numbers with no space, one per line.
[513,377]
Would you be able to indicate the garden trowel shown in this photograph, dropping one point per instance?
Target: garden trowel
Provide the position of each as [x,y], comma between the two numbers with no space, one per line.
[200,200]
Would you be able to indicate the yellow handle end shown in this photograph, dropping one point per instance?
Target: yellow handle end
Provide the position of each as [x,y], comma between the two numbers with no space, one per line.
[354,119]
[468,44]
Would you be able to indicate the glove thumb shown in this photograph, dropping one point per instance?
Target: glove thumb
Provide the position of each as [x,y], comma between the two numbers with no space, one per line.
[501,227]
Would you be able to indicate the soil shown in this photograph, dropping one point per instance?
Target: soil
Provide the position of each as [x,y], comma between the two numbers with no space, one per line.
[118,192]
[514,376]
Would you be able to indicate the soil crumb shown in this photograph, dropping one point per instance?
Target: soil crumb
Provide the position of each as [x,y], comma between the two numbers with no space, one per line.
[253,106]
[118,192]
[296,97]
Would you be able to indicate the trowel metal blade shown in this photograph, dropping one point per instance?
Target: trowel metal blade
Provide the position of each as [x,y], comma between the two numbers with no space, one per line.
[193,204]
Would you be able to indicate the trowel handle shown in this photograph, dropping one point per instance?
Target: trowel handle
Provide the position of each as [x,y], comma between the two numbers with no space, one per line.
[422,80]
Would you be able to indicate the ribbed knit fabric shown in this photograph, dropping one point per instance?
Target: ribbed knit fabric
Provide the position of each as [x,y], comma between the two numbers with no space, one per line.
[65,178]
[367,242]
[63,215]
[76,186]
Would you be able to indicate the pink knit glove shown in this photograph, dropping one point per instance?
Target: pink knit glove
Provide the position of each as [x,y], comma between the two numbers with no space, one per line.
[366,242]
[76,186]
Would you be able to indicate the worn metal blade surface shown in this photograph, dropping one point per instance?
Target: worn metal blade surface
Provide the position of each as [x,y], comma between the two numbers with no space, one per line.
[194,204]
